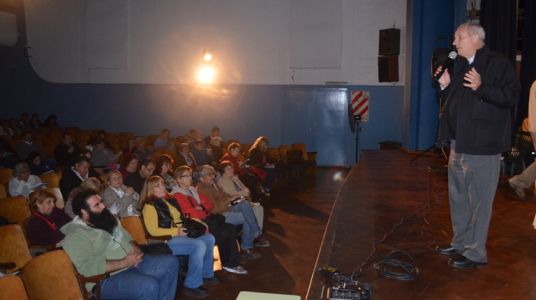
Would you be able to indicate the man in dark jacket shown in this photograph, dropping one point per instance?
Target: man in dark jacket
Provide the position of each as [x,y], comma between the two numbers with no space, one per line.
[476,119]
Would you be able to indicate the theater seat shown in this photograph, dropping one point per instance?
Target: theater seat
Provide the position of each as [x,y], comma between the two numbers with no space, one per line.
[13,247]
[15,209]
[12,288]
[50,276]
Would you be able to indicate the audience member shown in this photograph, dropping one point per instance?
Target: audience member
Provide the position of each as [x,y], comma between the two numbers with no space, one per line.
[234,187]
[164,141]
[24,122]
[130,166]
[97,244]
[162,217]
[203,155]
[67,151]
[27,145]
[89,155]
[92,183]
[35,123]
[225,233]
[43,227]
[164,168]
[185,157]
[72,177]
[259,164]
[141,149]
[137,179]
[121,200]
[51,122]
[103,157]
[215,142]
[36,164]
[23,183]
[8,159]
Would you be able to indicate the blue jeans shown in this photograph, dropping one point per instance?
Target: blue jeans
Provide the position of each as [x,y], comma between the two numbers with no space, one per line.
[154,278]
[200,253]
[242,213]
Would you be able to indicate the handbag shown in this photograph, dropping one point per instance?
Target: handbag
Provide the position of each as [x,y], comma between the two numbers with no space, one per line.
[192,227]
[156,249]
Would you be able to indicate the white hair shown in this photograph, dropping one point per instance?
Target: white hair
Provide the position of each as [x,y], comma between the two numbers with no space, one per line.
[474,29]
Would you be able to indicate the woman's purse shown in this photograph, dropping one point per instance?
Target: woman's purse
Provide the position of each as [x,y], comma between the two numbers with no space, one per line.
[192,227]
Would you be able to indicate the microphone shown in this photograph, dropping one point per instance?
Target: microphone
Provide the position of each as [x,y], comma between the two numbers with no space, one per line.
[446,64]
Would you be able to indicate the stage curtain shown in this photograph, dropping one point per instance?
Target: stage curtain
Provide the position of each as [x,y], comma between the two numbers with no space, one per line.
[499,19]
[528,61]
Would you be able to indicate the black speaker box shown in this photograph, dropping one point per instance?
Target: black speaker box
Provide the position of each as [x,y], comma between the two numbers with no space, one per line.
[388,68]
[389,41]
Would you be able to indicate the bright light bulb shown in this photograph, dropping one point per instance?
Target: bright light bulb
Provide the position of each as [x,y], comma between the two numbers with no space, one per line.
[207,56]
[206,74]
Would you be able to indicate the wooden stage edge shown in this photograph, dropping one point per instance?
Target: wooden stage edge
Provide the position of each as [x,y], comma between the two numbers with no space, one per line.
[389,202]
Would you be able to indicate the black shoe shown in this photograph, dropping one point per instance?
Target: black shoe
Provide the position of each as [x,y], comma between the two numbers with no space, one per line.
[212,280]
[198,293]
[462,262]
[446,250]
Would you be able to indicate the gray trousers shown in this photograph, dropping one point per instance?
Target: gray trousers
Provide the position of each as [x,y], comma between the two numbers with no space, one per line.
[472,183]
[526,178]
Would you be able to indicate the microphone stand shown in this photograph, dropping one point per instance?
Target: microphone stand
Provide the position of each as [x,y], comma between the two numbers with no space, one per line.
[357,119]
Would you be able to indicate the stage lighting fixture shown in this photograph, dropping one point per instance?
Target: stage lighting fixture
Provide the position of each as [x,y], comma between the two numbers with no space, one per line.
[207,56]
[206,74]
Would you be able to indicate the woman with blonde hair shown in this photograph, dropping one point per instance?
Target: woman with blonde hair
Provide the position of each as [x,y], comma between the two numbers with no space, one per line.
[162,217]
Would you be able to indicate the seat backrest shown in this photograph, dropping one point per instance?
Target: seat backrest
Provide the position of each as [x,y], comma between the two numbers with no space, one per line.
[13,246]
[3,193]
[50,276]
[134,227]
[52,179]
[302,148]
[15,209]
[5,176]
[12,288]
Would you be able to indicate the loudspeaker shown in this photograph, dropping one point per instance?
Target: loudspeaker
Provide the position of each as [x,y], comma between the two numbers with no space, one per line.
[388,68]
[389,42]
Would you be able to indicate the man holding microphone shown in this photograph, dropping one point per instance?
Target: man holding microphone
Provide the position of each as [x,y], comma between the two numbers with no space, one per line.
[476,119]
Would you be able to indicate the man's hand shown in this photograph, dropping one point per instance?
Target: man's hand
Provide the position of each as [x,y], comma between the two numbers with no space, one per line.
[129,191]
[133,259]
[444,80]
[472,79]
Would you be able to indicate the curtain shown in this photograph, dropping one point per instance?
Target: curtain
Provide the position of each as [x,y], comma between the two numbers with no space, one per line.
[528,61]
[499,20]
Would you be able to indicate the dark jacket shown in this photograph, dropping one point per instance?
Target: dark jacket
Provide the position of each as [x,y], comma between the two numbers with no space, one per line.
[480,121]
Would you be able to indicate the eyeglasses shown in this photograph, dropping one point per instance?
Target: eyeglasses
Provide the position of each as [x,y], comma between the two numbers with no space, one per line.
[185,176]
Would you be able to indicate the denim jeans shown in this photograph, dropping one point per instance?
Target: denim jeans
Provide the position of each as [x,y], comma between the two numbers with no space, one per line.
[154,278]
[242,213]
[200,253]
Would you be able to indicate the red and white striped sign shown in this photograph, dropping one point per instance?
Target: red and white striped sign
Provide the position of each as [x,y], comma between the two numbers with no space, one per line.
[360,105]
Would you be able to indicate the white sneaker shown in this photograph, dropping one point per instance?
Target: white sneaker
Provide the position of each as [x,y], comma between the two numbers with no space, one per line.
[236,270]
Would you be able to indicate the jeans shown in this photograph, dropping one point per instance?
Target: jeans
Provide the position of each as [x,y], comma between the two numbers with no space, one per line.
[200,253]
[154,278]
[241,213]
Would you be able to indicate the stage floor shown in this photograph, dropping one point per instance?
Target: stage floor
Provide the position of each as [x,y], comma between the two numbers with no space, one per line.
[404,205]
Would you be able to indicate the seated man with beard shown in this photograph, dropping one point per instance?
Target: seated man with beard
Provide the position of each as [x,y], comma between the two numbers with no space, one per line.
[97,244]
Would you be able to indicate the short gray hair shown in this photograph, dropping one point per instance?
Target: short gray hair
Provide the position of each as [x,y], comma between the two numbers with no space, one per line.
[474,29]
[205,170]
[20,167]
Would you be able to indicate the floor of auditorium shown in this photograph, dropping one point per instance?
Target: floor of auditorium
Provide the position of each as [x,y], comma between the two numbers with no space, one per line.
[295,220]
[387,203]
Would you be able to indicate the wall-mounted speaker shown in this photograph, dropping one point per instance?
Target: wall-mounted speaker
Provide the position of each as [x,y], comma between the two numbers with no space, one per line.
[388,68]
[389,42]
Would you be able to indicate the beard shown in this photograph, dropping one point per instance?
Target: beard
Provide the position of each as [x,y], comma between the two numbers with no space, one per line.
[103,220]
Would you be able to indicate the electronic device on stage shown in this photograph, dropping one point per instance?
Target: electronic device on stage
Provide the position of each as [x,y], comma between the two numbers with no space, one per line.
[343,288]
